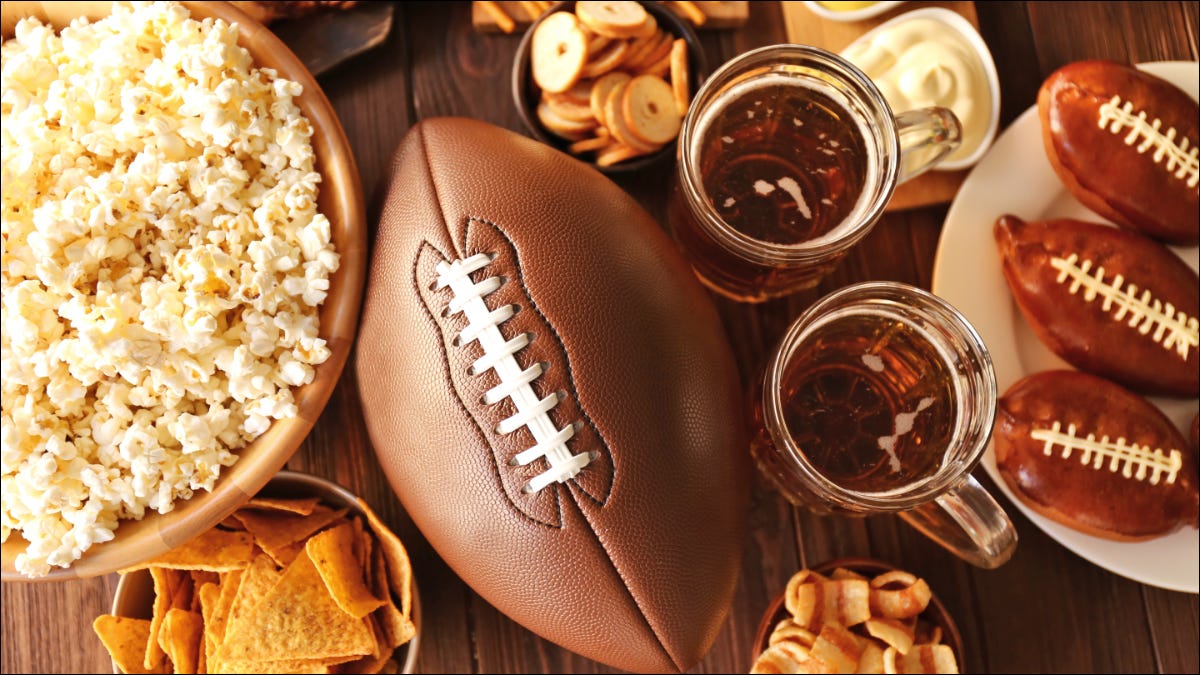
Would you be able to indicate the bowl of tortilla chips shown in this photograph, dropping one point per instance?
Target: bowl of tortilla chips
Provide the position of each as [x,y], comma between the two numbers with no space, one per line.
[304,578]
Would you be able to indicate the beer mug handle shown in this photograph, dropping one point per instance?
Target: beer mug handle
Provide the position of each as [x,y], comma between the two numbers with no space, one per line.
[968,522]
[926,135]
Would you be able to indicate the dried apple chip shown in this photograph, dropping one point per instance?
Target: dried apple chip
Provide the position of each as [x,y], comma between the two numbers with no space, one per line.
[897,633]
[871,660]
[837,648]
[844,602]
[899,595]
[921,659]
[790,631]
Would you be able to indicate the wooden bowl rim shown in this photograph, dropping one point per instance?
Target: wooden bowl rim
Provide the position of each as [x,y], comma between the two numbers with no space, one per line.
[776,612]
[341,201]
[525,95]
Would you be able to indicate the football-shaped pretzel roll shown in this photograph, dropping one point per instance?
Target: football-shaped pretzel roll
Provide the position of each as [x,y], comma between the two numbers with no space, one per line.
[1095,457]
[1125,144]
[551,394]
[1107,301]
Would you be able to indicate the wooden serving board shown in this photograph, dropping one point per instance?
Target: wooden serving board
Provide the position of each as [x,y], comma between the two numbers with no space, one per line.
[720,15]
[805,27]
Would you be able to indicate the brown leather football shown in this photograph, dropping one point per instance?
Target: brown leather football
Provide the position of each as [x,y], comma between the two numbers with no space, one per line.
[1095,457]
[1108,301]
[1124,142]
[552,396]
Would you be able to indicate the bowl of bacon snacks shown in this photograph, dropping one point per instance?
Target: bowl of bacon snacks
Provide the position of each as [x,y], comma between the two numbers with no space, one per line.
[608,82]
[857,615]
[304,578]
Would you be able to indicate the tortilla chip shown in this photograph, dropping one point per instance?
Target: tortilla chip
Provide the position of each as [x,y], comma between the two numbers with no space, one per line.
[277,529]
[215,625]
[298,619]
[332,552]
[303,507]
[398,565]
[231,523]
[285,555]
[397,627]
[126,640]
[293,666]
[216,550]
[184,632]
[260,577]
[164,588]
[390,667]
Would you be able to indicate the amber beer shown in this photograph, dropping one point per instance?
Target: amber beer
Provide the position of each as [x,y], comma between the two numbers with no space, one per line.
[881,398]
[871,402]
[780,162]
[787,157]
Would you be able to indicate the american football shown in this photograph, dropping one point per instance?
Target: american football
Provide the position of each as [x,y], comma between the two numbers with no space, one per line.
[553,398]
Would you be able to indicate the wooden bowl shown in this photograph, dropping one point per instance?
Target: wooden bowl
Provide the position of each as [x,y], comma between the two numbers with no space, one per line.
[342,203]
[135,591]
[526,93]
[935,613]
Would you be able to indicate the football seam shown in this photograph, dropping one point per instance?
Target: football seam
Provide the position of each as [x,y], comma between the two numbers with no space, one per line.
[571,382]
[462,404]
[566,356]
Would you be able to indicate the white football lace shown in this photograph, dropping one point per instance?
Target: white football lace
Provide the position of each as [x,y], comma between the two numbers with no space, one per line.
[499,355]
[1173,328]
[1118,452]
[1180,159]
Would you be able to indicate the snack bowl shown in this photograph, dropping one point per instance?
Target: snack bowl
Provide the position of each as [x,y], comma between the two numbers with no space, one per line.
[340,200]
[526,93]
[134,597]
[935,613]
[970,37]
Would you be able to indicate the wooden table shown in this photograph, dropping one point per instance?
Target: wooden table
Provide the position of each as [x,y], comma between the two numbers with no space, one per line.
[1045,611]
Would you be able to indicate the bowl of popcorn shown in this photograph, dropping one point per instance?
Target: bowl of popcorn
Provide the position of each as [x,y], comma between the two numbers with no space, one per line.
[302,577]
[183,261]
[857,615]
[608,82]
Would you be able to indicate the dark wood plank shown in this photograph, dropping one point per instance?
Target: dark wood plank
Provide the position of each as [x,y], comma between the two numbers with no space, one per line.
[48,627]
[1174,625]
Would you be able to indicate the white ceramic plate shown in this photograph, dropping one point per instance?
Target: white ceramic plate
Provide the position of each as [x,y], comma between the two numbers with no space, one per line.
[1015,177]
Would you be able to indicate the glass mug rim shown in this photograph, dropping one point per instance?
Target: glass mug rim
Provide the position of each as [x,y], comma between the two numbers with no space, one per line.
[982,413]
[864,91]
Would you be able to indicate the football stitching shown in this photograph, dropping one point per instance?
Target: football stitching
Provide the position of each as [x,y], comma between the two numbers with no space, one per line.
[532,410]
[458,398]
[1094,452]
[562,347]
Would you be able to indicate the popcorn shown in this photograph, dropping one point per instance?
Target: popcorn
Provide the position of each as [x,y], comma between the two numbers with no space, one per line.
[163,262]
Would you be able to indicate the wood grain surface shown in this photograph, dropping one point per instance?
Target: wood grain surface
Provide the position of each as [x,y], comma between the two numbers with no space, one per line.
[1046,611]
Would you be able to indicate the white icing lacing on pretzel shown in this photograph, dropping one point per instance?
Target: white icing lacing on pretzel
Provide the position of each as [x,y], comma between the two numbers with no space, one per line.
[1173,328]
[1119,453]
[1180,159]
[499,355]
